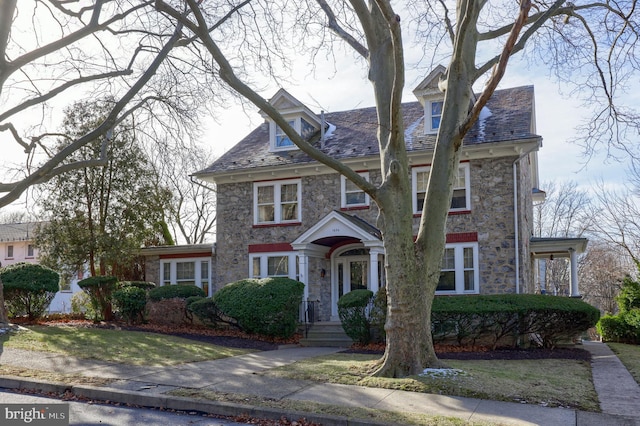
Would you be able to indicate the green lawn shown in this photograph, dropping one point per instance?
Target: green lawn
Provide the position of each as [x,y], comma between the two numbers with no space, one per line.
[630,357]
[128,347]
[551,382]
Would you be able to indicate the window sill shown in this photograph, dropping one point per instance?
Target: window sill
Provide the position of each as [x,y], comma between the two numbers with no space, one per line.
[274,225]
[451,213]
[347,209]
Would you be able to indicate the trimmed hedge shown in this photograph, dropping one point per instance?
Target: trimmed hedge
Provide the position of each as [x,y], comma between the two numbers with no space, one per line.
[145,285]
[179,291]
[268,306]
[130,301]
[100,290]
[624,327]
[550,319]
[28,289]
[353,310]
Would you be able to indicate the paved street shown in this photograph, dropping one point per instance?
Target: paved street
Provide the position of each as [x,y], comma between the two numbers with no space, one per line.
[92,414]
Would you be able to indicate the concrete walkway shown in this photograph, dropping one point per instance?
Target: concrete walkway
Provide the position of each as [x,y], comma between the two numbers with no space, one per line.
[147,386]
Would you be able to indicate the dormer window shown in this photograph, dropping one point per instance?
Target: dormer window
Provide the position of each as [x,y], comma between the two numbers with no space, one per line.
[435,116]
[302,119]
[282,140]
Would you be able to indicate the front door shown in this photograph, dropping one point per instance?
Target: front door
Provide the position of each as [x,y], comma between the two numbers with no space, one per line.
[351,272]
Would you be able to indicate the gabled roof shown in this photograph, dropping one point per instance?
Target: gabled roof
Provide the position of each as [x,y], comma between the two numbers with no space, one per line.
[287,105]
[13,232]
[354,135]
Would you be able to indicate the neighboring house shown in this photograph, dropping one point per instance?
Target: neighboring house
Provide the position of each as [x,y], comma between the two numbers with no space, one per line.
[16,245]
[280,213]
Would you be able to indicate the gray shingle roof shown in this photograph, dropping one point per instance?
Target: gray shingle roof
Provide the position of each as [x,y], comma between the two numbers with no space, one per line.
[17,231]
[355,133]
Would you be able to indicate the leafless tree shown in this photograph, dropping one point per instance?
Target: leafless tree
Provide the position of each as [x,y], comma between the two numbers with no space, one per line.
[616,216]
[602,270]
[192,214]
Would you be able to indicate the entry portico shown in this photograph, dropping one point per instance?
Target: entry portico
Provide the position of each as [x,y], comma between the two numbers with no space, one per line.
[354,248]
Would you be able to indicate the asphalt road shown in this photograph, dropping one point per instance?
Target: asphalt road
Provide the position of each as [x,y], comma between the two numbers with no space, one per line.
[81,413]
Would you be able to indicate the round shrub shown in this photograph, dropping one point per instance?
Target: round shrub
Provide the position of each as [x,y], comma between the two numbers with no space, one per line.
[268,306]
[130,302]
[352,310]
[28,288]
[100,289]
[175,291]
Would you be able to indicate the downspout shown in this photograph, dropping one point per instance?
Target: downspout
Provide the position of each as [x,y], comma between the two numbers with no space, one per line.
[515,215]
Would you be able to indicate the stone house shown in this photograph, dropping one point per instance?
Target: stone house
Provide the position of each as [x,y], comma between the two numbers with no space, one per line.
[281,213]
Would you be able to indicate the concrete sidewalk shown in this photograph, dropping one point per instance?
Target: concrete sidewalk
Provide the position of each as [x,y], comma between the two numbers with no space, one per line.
[147,386]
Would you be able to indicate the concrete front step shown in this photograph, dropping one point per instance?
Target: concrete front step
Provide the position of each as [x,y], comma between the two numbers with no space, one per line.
[326,334]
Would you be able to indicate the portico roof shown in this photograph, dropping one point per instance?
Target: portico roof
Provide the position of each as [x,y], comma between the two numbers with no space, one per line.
[335,228]
[557,247]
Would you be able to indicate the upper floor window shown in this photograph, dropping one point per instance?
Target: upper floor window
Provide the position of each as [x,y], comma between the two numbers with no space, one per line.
[280,141]
[9,252]
[459,271]
[351,194]
[435,116]
[276,202]
[461,200]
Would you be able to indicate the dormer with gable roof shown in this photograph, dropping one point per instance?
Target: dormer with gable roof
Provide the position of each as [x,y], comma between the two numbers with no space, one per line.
[301,118]
[430,94]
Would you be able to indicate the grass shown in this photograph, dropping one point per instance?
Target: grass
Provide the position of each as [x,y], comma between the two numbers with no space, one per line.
[49,376]
[127,347]
[390,417]
[550,382]
[629,355]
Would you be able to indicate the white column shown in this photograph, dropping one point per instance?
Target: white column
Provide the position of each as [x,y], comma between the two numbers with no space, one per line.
[373,269]
[575,291]
[303,263]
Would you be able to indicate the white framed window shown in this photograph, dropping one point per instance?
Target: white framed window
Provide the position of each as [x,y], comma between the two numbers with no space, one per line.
[434,116]
[279,264]
[461,200]
[281,142]
[9,252]
[276,202]
[352,195]
[30,250]
[191,271]
[459,272]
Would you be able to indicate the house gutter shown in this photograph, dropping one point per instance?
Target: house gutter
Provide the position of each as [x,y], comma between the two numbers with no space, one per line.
[515,214]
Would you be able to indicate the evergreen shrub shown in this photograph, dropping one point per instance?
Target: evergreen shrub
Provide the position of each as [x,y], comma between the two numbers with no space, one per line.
[268,306]
[130,301]
[28,289]
[353,310]
[175,291]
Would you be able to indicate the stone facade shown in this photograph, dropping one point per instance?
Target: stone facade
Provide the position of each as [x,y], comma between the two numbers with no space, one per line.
[491,217]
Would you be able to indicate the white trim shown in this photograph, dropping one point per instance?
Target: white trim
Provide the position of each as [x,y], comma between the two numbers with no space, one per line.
[467,187]
[428,116]
[277,202]
[197,261]
[459,269]
[334,225]
[264,264]
[343,193]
